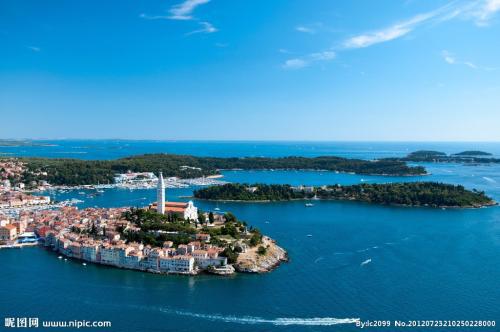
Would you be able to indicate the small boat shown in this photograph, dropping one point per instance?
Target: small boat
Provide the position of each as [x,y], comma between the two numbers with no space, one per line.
[217,209]
[267,222]
[84,264]
[309,235]
[309,204]
[65,259]
[60,257]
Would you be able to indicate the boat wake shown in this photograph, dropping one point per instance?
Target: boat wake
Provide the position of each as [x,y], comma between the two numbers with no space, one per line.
[368,261]
[490,180]
[318,259]
[248,320]
[322,321]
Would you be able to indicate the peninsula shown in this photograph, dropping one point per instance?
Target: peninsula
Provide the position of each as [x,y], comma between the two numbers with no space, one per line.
[74,172]
[166,237]
[429,194]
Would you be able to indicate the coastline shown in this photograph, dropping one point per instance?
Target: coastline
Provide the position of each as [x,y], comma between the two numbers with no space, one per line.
[251,262]
[489,204]
[318,170]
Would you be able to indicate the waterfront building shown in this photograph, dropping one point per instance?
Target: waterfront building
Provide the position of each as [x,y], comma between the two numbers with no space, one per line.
[177,264]
[133,259]
[75,250]
[8,232]
[153,257]
[109,255]
[90,251]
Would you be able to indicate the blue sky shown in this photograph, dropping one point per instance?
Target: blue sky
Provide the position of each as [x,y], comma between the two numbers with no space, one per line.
[250,69]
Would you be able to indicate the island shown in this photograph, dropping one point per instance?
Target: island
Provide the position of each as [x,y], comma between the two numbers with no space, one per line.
[468,157]
[431,194]
[472,153]
[75,172]
[16,143]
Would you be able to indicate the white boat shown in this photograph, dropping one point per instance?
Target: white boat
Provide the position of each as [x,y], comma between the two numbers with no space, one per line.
[217,209]
[60,257]
[84,264]
[309,204]
[309,235]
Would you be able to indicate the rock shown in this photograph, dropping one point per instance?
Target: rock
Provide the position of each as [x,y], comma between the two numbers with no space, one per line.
[252,262]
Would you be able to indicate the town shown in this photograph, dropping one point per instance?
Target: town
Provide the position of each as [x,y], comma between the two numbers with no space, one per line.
[166,237]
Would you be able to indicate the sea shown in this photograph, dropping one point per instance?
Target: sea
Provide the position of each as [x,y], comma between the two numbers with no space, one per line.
[348,260]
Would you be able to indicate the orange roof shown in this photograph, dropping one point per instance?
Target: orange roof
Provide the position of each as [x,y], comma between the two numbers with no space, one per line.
[10,227]
[174,209]
[179,204]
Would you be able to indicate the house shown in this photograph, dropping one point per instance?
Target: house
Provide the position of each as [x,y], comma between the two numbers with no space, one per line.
[8,232]
[109,255]
[90,252]
[177,264]
[204,260]
[203,237]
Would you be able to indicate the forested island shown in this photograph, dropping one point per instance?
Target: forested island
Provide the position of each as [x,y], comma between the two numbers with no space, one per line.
[471,156]
[472,153]
[430,194]
[74,172]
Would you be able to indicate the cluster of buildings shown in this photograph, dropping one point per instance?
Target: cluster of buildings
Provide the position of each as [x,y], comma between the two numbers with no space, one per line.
[11,229]
[10,169]
[188,258]
[95,235]
[186,211]
[135,177]
[15,199]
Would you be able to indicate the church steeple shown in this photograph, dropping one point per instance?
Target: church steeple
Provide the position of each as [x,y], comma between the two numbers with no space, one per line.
[160,195]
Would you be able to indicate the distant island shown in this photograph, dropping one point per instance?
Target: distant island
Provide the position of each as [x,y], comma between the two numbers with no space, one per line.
[472,153]
[13,142]
[430,194]
[471,156]
[74,172]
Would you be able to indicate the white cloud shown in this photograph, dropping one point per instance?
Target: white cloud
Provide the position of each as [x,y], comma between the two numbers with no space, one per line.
[184,10]
[485,11]
[393,32]
[295,64]
[298,63]
[206,27]
[305,29]
[34,48]
[481,11]
[449,58]
[157,17]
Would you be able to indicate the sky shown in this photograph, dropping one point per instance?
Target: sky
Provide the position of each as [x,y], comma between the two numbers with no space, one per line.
[346,70]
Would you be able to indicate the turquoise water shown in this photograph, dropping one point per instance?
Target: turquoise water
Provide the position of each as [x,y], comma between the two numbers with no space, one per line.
[419,263]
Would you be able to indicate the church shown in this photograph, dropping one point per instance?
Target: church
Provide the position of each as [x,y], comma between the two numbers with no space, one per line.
[186,211]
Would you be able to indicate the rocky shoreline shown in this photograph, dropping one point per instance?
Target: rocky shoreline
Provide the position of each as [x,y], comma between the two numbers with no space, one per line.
[252,262]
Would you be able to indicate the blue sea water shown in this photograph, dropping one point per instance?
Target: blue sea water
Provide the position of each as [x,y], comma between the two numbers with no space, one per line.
[362,261]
